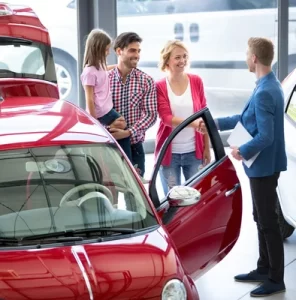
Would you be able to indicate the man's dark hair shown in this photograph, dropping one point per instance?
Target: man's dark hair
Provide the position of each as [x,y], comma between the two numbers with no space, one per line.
[126,38]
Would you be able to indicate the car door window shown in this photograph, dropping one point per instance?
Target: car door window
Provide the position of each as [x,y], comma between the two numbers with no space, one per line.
[291,108]
[181,162]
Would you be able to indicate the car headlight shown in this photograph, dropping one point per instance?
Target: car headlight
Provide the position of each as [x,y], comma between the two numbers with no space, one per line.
[174,290]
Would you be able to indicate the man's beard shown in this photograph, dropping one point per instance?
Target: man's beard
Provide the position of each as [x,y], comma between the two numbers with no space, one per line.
[129,64]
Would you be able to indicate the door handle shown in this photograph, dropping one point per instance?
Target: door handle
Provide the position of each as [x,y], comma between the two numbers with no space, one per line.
[230,192]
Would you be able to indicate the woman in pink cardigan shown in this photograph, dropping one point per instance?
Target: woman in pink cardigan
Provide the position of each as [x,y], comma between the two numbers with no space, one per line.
[179,95]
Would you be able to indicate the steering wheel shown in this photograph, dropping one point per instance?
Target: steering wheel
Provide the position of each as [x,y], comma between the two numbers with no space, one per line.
[86,186]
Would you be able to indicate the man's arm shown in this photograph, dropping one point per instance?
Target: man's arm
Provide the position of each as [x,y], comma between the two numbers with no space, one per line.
[149,109]
[227,123]
[264,111]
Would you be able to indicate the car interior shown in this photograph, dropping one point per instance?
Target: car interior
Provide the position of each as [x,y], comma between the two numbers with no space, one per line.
[53,189]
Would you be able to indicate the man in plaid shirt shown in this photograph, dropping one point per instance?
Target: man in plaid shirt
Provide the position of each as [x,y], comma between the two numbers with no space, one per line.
[134,96]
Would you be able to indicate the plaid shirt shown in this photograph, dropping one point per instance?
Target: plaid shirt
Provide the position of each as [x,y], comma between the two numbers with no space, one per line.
[135,100]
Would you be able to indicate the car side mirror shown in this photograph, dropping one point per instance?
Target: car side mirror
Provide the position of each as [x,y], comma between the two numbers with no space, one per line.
[180,196]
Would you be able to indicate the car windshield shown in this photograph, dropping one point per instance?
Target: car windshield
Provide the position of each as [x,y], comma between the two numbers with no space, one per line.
[22,58]
[48,190]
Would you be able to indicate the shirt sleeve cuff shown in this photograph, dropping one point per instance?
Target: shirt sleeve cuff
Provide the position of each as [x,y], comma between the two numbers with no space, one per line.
[132,131]
[217,123]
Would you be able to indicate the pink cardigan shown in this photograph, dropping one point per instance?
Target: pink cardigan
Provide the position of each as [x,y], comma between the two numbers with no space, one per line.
[166,116]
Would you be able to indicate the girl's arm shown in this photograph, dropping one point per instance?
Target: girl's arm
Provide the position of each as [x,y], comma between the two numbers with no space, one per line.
[110,67]
[90,102]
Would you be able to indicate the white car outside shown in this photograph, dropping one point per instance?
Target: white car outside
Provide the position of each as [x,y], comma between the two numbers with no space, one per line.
[287,179]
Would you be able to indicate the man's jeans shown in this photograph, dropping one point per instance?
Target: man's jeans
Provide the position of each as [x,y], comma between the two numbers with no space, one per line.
[171,175]
[125,143]
[138,157]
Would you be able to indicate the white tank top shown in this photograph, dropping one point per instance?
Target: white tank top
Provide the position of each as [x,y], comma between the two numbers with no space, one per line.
[182,107]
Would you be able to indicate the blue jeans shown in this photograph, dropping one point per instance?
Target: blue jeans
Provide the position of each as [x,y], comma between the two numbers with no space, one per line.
[125,143]
[171,175]
[138,157]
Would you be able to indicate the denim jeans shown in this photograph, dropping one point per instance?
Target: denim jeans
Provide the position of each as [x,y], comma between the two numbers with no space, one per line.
[138,157]
[125,143]
[171,175]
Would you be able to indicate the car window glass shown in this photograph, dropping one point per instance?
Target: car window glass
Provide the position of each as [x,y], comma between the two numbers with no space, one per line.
[21,59]
[291,110]
[67,188]
[182,162]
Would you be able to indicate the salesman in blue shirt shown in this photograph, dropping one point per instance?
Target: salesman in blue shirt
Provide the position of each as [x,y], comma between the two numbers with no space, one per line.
[263,117]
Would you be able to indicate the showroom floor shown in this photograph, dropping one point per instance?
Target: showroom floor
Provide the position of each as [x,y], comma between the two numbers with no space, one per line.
[218,283]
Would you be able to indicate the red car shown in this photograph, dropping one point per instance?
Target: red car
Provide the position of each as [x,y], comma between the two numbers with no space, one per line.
[75,219]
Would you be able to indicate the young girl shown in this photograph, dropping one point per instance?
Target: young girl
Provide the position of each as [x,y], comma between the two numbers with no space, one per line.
[96,84]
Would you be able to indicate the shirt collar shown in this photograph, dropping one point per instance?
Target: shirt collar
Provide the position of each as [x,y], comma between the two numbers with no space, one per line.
[119,75]
[265,78]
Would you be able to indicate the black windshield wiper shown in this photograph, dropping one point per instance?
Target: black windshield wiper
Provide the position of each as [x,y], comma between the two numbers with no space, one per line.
[4,73]
[62,235]
[106,230]
[8,40]
[70,235]
[8,240]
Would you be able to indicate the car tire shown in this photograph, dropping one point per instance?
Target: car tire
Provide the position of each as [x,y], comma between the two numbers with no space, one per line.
[66,69]
[286,229]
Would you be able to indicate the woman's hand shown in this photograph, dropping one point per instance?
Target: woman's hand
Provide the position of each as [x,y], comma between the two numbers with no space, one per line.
[199,126]
[119,123]
[206,156]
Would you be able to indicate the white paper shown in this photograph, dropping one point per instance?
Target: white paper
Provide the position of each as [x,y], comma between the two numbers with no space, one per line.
[239,137]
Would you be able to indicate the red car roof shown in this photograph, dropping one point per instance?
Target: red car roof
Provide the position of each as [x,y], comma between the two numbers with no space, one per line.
[23,123]
[21,21]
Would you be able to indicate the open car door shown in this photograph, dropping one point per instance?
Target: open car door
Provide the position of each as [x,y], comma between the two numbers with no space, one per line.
[203,215]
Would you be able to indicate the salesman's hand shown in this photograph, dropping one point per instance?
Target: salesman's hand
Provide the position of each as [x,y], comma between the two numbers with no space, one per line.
[235,153]
[118,133]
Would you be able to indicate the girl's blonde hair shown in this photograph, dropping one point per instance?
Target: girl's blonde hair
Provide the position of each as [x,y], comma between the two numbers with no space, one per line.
[95,49]
[166,52]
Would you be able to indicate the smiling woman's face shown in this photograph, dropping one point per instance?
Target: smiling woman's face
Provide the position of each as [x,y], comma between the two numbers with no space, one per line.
[178,60]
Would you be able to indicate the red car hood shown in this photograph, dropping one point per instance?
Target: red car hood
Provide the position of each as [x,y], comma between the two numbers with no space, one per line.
[134,268]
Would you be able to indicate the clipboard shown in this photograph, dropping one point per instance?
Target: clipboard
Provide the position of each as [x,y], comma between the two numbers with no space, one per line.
[239,137]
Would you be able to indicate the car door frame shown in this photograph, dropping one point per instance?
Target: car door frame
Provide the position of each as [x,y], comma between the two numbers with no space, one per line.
[215,139]
[201,247]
